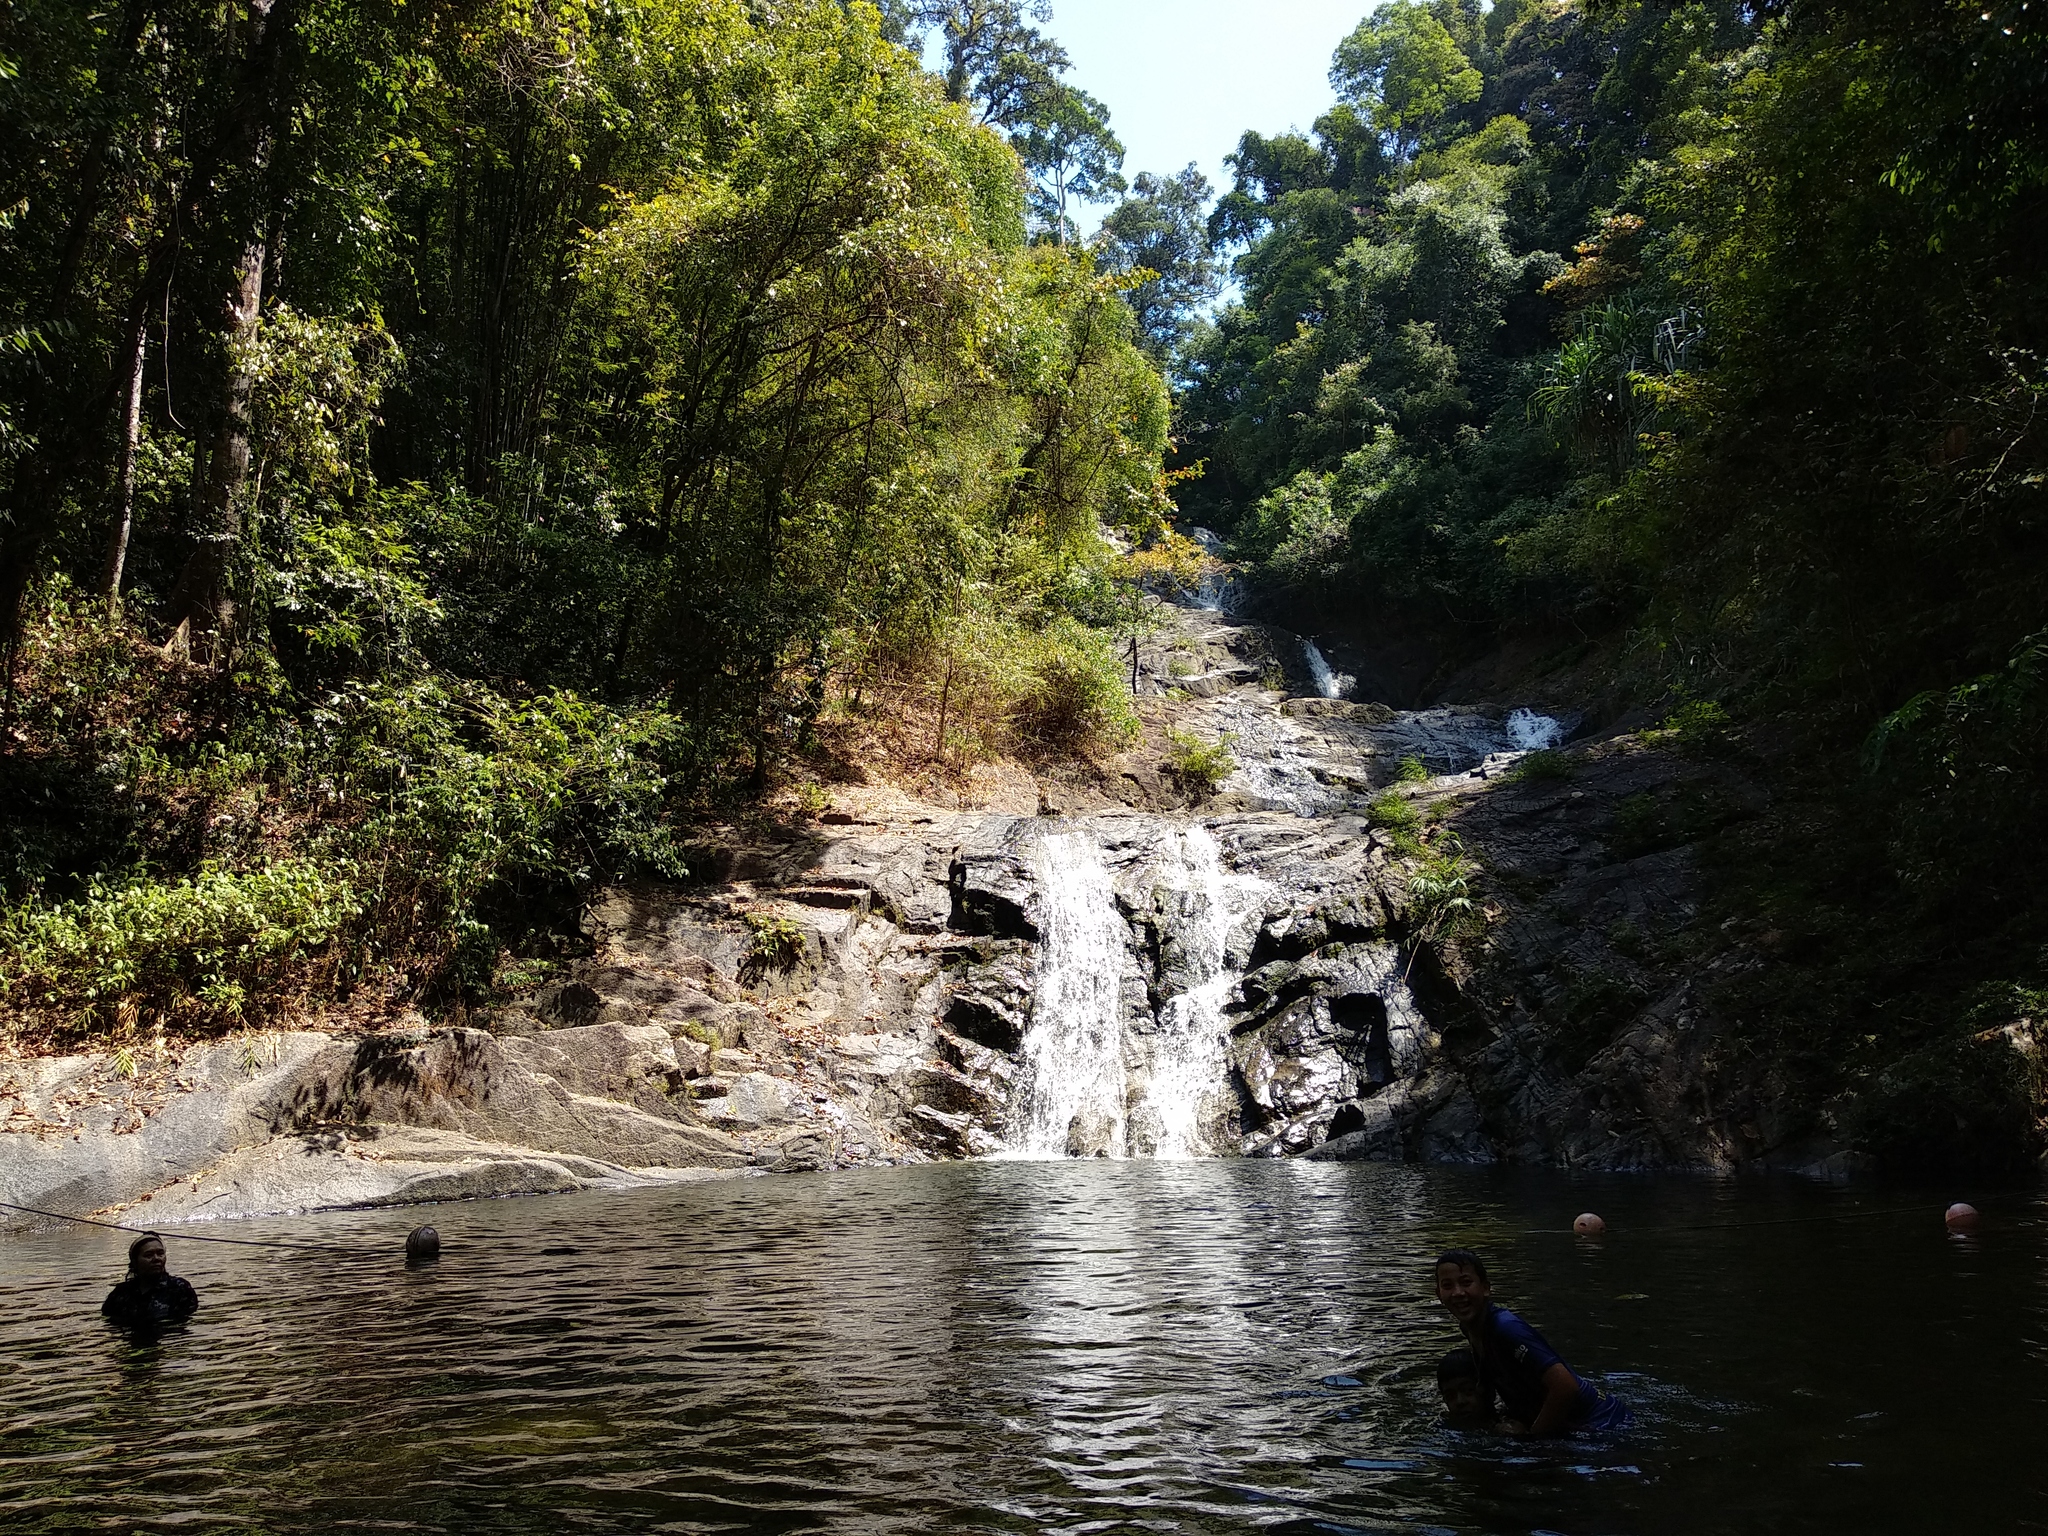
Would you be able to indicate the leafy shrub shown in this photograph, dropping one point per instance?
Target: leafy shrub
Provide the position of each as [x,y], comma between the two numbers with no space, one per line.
[1440,891]
[1542,766]
[776,946]
[497,811]
[1392,812]
[192,951]
[1696,724]
[1201,767]
[1962,1101]
[1071,691]
[1413,770]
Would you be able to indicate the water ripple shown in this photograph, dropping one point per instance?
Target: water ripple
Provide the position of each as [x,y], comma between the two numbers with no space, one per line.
[1021,1347]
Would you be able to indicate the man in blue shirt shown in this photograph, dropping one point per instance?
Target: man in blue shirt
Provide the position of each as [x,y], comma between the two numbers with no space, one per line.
[1539,1394]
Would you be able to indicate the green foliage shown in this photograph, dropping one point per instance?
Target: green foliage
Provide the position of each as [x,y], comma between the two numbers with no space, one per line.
[1640,826]
[489,806]
[623,382]
[1441,905]
[1696,724]
[1070,692]
[195,951]
[1596,395]
[1544,766]
[1073,156]
[1393,812]
[775,946]
[1966,1099]
[1200,766]
[1158,235]
[1412,770]
[1405,69]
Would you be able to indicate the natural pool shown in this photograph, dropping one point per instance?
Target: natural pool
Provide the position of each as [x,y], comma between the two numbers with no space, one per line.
[1217,1346]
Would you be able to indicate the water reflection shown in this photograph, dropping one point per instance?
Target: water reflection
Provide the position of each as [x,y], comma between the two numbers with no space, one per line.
[1037,1347]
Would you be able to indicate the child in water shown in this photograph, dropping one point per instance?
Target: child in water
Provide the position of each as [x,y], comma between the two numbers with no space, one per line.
[1539,1393]
[1466,1400]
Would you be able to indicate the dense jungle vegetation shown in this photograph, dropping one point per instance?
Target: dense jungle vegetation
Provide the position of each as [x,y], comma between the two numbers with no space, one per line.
[1709,333]
[447,446]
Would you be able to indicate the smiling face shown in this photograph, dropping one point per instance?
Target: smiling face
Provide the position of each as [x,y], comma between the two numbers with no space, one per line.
[150,1261]
[1463,1294]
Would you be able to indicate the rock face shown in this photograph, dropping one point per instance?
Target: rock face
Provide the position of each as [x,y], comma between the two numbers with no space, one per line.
[1262,976]
[715,1030]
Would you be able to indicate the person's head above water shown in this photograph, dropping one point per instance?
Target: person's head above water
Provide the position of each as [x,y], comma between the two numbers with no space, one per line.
[1457,1378]
[147,1257]
[1462,1284]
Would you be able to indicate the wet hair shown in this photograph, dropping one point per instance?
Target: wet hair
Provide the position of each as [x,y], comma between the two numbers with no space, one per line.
[1458,1365]
[1465,1258]
[135,1248]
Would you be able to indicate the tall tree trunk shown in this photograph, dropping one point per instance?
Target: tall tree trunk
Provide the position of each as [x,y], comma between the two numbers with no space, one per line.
[242,144]
[204,594]
[203,598]
[135,351]
[64,415]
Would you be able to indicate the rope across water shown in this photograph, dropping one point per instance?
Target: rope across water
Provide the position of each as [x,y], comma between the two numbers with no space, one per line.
[196,1237]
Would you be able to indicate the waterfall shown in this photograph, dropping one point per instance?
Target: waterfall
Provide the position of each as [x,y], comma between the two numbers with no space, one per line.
[1531,732]
[1189,1050]
[1072,1089]
[1096,1080]
[1331,685]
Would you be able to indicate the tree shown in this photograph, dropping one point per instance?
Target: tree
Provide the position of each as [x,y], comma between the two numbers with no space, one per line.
[1406,70]
[1162,229]
[995,59]
[1072,156]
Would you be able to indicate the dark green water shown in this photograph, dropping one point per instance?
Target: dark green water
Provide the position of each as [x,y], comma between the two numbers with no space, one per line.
[1042,1347]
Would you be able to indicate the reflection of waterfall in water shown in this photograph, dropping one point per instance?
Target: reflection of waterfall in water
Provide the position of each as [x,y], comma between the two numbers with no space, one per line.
[1072,1095]
[1331,685]
[1189,1051]
[1531,732]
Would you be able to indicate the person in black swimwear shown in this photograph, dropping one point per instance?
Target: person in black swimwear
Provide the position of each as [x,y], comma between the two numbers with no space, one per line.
[1539,1393]
[150,1297]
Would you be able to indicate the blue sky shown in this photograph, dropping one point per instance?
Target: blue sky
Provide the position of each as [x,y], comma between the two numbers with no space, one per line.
[1184,78]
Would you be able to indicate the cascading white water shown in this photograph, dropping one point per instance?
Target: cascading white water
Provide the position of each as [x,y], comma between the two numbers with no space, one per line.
[1531,732]
[1090,1086]
[1331,685]
[1072,1089]
[1189,1051]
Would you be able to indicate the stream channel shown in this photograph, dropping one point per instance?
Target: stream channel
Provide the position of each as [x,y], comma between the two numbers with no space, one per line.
[1198,1346]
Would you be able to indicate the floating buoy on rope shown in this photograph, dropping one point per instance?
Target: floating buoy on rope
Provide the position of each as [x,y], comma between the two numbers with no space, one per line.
[1961,1218]
[422,1245]
[1589,1225]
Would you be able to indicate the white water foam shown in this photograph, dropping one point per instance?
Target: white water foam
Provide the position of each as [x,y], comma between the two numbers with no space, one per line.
[1331,685]
[1190,1051]
[1073,1079]
[1531,732]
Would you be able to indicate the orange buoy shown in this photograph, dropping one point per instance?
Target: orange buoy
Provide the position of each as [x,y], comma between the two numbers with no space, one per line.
[1961,1218]
[1589,1225]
